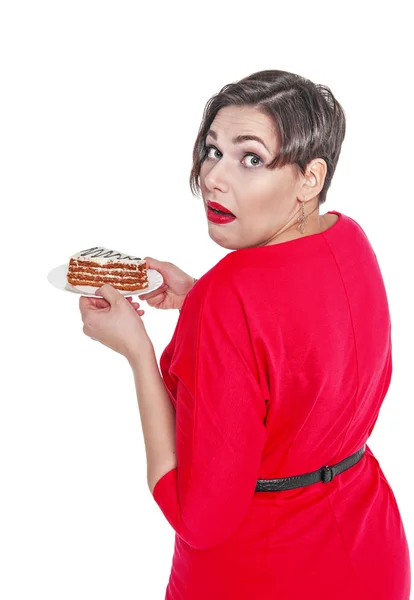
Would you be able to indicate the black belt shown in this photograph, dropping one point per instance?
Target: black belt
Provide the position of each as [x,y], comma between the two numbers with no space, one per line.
[324,474]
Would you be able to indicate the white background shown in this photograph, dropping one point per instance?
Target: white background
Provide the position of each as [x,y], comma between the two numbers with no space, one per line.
[100,106]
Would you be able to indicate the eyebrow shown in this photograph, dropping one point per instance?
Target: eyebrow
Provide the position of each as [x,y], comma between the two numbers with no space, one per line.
[240,138]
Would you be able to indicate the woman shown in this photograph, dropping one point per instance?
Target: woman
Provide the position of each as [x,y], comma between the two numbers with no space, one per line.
[272,383]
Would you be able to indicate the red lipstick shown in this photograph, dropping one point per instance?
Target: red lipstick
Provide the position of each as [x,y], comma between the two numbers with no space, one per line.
[218,213]
[219,207]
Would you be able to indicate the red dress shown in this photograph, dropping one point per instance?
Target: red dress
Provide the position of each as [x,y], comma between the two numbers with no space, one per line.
[279,364]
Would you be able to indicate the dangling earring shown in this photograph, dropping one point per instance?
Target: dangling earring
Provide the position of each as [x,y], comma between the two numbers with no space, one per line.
[302,219]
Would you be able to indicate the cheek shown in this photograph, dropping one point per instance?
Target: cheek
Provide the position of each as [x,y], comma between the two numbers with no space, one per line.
[262,197]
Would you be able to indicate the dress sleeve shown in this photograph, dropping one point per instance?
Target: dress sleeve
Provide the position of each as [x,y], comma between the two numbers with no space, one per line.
[220,431]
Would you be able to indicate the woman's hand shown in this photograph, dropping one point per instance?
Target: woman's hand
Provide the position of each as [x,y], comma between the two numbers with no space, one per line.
[115,322]
[176,285]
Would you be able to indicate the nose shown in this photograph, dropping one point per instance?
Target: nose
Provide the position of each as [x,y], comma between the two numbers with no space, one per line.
[216,177]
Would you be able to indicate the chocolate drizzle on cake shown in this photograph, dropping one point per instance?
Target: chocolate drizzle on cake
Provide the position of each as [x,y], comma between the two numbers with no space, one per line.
[105,253]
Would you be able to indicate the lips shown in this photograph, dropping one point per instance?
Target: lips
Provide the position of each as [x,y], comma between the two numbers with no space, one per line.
[219,207]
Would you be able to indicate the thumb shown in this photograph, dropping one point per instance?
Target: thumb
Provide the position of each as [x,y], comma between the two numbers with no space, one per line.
[108,292]
[152,263]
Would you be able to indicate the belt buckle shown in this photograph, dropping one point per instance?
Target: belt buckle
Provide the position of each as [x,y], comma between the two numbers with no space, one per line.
[327,474]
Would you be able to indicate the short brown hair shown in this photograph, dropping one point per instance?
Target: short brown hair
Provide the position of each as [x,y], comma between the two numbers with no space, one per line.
[309,120]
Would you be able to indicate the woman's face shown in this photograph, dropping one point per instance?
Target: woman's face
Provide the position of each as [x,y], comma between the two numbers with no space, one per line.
[234,175]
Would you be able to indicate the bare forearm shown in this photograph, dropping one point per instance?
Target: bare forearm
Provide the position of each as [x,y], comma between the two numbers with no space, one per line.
[157,416]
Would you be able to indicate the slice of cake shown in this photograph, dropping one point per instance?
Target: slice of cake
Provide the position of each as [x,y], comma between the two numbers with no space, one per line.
[99,265]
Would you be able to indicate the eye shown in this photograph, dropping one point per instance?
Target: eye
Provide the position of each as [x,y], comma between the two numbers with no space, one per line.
[251,154]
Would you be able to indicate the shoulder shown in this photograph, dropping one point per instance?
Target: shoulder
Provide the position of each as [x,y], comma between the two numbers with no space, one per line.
[226,280]
[223,273]
[221,288]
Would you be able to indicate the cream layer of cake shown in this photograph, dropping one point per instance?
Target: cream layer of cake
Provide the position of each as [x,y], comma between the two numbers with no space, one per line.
[98,265]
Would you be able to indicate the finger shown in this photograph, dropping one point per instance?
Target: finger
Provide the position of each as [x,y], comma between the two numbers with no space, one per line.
[136,306]
[86,302]
[159,289]
[109,293]
[101,303]
[154,293]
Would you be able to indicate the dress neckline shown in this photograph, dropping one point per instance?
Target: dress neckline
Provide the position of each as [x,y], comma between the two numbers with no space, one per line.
[299,244]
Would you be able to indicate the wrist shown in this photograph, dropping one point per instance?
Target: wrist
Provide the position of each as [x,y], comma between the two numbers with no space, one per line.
[138,356]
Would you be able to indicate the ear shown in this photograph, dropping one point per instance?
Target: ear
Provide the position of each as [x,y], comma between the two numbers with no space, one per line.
[314,178]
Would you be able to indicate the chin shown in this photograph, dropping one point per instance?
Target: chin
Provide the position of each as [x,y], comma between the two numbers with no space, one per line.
[224,243]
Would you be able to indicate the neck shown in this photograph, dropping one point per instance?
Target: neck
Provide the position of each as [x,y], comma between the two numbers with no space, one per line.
[313,224]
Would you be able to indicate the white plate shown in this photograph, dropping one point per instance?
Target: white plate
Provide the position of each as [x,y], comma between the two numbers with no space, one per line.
[57,277]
